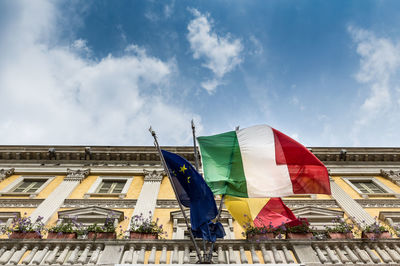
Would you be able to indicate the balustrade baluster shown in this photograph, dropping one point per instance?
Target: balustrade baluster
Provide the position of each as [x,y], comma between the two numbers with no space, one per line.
[364,257]
[396,248]
[152,257]
[266,257]
[385,257]
[129,255]
[341,255]
[254,256]
[21,252]
[52,256]
[320,254]
[63,254]
[288,255]
[351,254]
[243,258]
[38,259]
[331,255]
[277,256]
[186,255]
[95,254]
[372,255]
[142,254]
[2,250]
[232,258]
[83,258]
[6,257]
[29,258]
[392,253]
[163,258]
[221,255]
[74,255]
[175,257]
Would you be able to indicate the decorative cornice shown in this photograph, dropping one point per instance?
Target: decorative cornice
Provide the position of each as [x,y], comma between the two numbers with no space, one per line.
[104,203]
[76,175]
[153,176]
[379,203]
[20,203]
[4,173]
[391,175]
[329,203]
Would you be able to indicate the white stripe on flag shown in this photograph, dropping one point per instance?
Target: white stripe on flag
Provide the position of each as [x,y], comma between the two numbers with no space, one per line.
[264,178]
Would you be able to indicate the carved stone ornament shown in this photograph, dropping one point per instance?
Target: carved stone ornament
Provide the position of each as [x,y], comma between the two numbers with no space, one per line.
[153,176]
[391,175]
[4,173]
[76,175]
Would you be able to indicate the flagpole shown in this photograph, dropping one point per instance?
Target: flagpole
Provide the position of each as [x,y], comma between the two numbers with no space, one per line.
[153,133]
[196,156]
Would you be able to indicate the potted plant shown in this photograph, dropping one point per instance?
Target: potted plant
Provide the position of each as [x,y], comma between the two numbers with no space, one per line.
[300,230]
[145,228]
[67,229]
[259,233]
[106,231]
[341,229]
[23,227]
[375,231]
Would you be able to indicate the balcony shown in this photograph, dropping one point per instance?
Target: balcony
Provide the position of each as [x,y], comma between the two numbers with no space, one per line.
[306,252]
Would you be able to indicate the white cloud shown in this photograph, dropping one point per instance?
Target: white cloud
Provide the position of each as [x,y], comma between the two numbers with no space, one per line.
[53,94]
[379,66]
[221,54]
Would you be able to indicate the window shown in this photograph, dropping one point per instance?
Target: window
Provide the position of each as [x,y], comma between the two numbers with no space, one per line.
[26,186]
[369,187]
[109,186]
[29,185]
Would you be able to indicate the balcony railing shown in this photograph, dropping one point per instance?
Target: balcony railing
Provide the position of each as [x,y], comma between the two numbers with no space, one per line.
[307,252]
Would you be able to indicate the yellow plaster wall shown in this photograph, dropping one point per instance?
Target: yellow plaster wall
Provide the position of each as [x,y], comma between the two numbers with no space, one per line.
[349,190]
[389,184]
[23,211]
[135,188]
[166,191]
[83,187]
[164,218]
[8,181]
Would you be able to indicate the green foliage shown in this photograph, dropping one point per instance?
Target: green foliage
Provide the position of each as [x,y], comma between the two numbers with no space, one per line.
[67,226]
[341,226]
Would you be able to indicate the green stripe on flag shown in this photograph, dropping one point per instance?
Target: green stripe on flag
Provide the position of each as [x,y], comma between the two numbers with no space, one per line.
[222,164]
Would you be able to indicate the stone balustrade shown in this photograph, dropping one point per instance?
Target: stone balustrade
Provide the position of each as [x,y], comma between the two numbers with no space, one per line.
[109,252]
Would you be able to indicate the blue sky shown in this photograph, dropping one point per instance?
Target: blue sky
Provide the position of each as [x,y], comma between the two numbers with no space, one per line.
[101,72]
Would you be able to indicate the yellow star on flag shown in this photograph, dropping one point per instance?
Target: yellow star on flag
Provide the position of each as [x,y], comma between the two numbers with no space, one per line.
[183,169]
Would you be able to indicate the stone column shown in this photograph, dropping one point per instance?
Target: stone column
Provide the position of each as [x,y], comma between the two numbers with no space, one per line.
[54,201]
[147,200]
[4,173]
[355,211]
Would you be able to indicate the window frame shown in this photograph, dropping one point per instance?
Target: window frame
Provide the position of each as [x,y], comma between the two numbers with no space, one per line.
[388,192]
[9,190]
[92,192]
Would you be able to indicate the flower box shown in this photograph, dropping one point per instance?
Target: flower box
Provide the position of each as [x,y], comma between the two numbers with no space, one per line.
[258,237]
[59,235]
[102,235]
[337,235]
[373,235]
[25,235]
[136,235]
[290,235]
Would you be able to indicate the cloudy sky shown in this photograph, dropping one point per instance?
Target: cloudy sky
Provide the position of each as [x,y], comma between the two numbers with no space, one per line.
[101,72]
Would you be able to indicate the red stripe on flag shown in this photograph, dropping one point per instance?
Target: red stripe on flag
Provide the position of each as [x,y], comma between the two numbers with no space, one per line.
[308,174]
[274,214]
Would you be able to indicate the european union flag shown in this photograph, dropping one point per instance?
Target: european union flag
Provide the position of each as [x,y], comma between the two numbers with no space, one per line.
[193,192]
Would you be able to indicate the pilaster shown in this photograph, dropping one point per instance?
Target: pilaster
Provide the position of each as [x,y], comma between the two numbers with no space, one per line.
[54,201]
[147,200]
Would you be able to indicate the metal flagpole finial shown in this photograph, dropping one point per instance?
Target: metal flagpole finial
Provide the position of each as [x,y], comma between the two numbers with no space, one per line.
[153,133]
[193,127]
[237,128]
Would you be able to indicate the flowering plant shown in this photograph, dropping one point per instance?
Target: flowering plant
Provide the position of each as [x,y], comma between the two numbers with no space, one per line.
[303,227]
[25,225]
[251,230]
[67,226]
[108,227]
[373,228]
[141,224]
[341,226]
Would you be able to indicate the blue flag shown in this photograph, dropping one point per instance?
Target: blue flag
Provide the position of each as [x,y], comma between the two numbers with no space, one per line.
[193,192]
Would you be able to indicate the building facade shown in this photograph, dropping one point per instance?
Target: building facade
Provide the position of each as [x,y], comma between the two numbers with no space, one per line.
[93,184]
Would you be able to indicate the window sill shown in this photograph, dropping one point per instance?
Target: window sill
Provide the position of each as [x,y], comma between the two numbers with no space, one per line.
[105,195]
[379,195]
[17,194]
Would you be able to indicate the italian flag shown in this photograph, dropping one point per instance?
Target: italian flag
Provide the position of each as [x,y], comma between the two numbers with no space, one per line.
[260,162]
